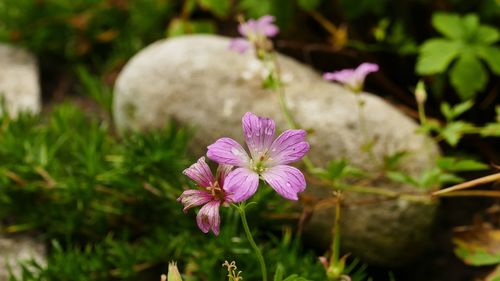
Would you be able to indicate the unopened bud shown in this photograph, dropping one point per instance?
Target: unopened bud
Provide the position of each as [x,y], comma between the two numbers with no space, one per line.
[420,92]
[173,272]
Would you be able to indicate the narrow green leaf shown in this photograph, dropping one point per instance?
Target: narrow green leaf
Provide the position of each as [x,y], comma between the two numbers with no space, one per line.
[278,275]
[450,25]
[468,76]
[461,108]
[436,55]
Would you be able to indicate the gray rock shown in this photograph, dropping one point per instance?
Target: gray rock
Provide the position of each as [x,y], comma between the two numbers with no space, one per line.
[196,80]
[18,248]
[19,84]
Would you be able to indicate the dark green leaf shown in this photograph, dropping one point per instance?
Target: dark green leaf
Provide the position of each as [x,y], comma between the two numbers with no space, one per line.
[220,8]
[491,55]
[468,76]
[180,27]
[470,25]
[309,5]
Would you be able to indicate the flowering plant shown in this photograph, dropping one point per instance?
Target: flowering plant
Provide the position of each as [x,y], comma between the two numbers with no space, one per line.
[256,33]
[354,79]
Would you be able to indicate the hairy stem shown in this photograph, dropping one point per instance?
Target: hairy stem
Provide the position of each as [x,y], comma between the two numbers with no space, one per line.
[258,253]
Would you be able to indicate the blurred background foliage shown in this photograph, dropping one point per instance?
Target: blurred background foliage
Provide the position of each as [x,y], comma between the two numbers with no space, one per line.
[451,42]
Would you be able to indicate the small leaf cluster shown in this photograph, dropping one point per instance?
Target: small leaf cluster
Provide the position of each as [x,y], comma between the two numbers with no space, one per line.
[444,173]
[453,129]
[465,46]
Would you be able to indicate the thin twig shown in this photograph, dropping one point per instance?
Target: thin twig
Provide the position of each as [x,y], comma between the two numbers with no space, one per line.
[476,193]
[468,184]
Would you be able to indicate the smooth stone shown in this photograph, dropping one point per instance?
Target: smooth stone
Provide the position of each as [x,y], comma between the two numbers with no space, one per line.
[19,83]
[196,80]
[19,248]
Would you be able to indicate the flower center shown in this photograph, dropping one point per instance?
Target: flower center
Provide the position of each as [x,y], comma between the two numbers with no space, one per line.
[259,166]
[217,192]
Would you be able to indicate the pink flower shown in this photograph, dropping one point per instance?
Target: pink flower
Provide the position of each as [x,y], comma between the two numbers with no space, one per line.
[352,78]
[255,32]
[212,197]
[268,159]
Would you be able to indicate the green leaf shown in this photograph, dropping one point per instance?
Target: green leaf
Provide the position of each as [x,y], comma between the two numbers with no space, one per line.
[220,8]
[458,165]
[477,257]
[452,113]
[491,55]
[448,178]
[450,25]
[478,245]
[487,34]
[453,132]
[402,178]
[468,76]
[470,25]
[295,277]
[436,55]
[255,8]
[462,107]
[278,275]
[309,5]
[179,27]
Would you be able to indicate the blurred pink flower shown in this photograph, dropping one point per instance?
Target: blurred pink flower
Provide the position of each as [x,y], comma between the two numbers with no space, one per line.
[254,32]
[352,78]
[268,159]
[212,197]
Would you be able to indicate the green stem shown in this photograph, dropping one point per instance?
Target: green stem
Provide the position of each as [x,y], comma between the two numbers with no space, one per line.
[286,110]
[258,253]
[424,198]
[421,113]
[336,234]
[367,144]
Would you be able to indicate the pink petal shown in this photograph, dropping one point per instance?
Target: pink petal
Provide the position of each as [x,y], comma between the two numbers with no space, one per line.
[208,217]
[241,184]
[364,69]
[200,173]
[239,45]
[248,28]
[222,173]
[288,181]
[228,151]
[289,147]
[192,198]
[259,134]
[266,26]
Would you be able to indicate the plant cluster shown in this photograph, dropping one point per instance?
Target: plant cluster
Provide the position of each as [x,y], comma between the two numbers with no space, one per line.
[108,206]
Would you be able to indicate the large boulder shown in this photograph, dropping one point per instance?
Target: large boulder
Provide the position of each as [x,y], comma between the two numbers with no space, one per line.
[19,86]
[196,80]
